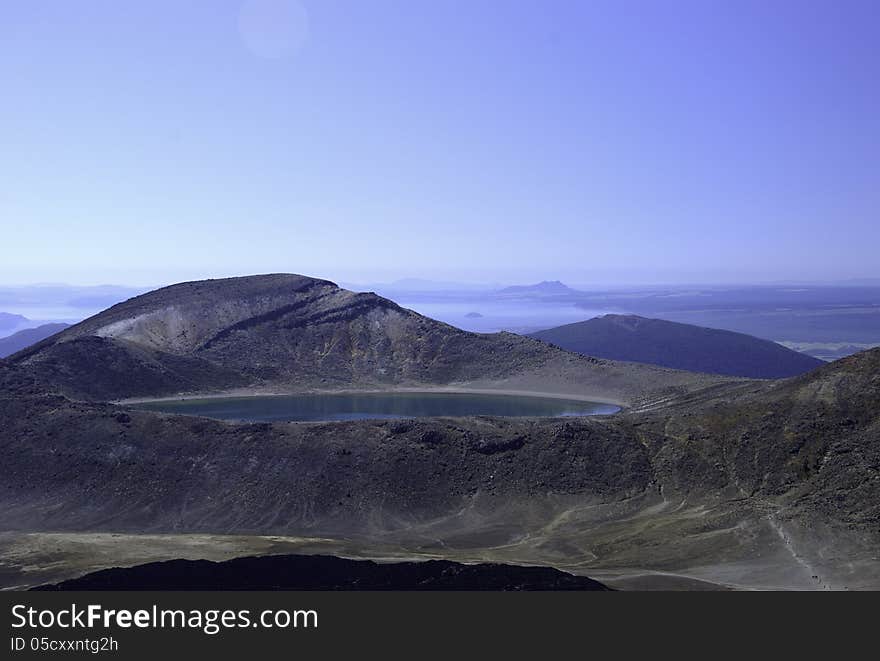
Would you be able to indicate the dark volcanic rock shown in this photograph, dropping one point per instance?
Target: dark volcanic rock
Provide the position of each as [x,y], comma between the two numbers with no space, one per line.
[491,447]
[79,466]
[316,572]
[101,368]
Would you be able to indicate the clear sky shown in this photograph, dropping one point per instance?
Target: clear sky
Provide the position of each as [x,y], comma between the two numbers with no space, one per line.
[360,140]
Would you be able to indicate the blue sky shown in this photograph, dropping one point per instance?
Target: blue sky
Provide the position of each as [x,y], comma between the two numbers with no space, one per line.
[687,140]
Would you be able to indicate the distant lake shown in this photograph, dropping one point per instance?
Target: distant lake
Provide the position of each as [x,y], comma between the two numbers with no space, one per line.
[361,406]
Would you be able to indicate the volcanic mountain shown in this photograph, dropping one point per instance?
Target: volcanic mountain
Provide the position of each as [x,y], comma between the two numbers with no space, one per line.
[708,482]
[679,346]
[291,332]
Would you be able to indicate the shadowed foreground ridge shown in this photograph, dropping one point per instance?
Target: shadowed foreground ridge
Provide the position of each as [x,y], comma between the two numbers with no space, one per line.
[316,572]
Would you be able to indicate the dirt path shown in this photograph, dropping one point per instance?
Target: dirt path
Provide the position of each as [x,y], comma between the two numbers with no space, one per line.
[811,571]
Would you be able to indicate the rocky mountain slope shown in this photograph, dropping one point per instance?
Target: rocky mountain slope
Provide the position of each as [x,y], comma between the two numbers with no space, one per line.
[757,484]
[289,332]
[679,346]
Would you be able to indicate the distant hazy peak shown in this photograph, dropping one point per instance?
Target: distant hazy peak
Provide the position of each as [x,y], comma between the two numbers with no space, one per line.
[9,320]
[543,287]
[25,338]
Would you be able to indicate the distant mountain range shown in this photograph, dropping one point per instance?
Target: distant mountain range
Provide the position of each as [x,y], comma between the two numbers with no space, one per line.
[25,338]
[680,346]
[11,321]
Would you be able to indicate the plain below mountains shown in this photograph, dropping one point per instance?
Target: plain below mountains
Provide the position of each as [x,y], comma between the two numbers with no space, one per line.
[679,346]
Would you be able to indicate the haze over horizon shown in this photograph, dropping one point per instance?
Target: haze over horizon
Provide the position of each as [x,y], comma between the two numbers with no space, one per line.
[414,283]
[615,143]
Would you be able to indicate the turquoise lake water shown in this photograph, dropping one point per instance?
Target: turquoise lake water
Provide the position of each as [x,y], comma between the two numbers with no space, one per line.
[329,407]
